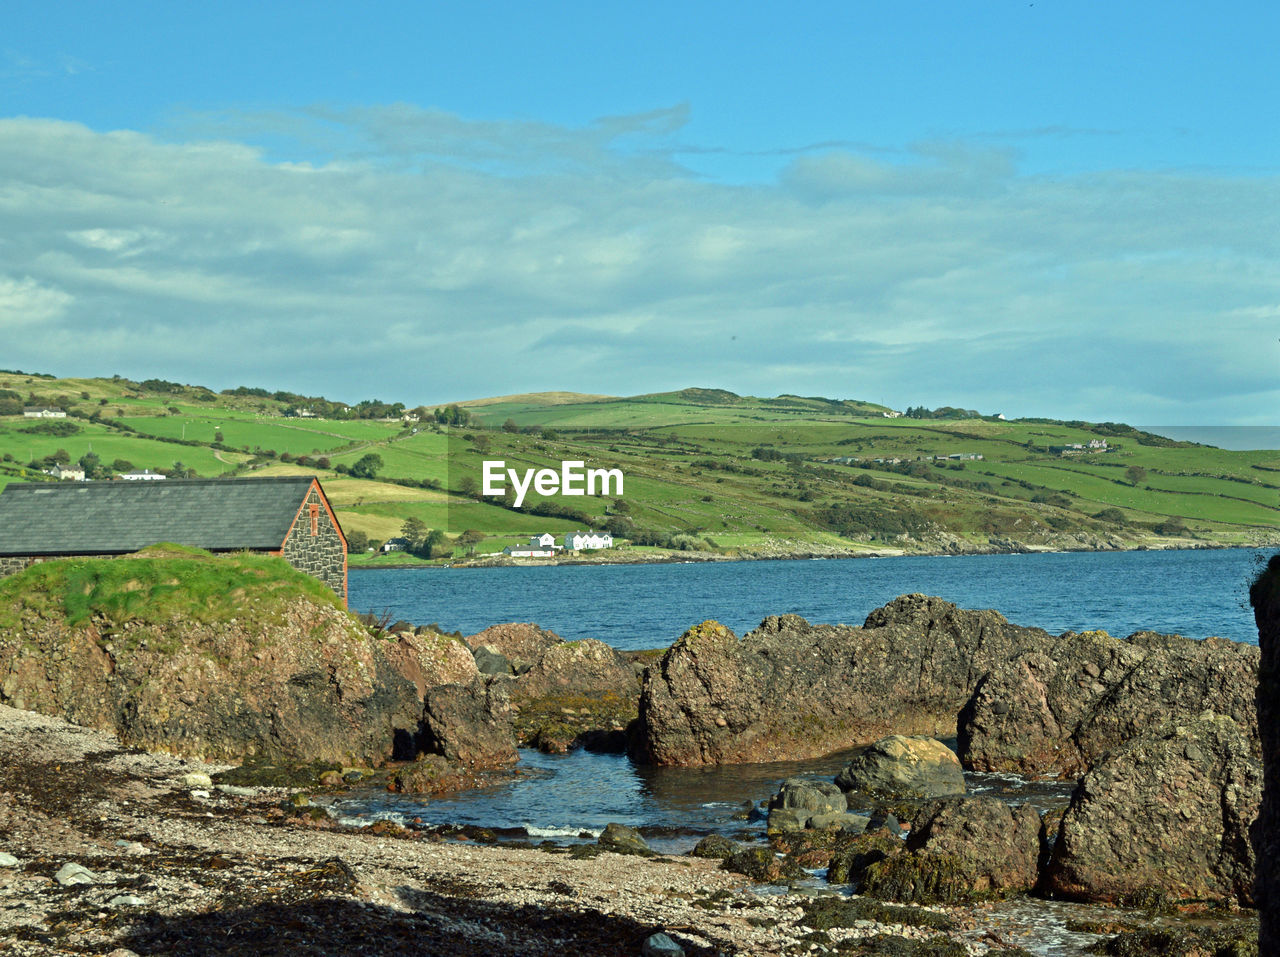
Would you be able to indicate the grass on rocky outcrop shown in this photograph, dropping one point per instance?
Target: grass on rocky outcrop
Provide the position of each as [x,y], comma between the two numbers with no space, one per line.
[155,585]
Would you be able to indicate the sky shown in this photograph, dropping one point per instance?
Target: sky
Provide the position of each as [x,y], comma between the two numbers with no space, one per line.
[1034,208]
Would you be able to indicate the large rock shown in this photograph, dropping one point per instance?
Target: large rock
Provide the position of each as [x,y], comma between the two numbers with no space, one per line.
[1165,816]
[792,690]
[470,724]
[586,668]
[904,767]
[295,682]
[521,643]
[1265,598]
[1060,707]
[429,659]
[961,849]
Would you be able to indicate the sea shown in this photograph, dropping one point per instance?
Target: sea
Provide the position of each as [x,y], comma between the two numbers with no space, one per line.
[570,798]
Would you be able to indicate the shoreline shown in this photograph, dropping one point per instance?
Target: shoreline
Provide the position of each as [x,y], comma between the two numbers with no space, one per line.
[180,865]
[692,558]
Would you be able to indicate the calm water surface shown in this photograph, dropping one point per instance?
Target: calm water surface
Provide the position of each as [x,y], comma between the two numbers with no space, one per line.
[1193,593]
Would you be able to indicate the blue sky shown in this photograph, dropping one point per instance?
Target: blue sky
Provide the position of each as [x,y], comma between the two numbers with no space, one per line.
[1032,208]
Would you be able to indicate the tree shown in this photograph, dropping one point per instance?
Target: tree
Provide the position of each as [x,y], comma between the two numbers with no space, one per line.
[217,436]
[414,530]
[357,542]
[481,443]
[367,466]
[1135,474]
[435,545]
[510,426]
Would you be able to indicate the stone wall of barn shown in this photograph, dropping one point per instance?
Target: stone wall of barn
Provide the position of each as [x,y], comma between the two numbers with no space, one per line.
[315,546]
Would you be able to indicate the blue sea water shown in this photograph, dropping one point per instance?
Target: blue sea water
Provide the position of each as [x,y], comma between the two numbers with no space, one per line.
[1196,593]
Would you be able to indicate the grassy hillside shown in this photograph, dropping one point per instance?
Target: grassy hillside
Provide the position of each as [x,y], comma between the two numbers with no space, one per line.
[705,469]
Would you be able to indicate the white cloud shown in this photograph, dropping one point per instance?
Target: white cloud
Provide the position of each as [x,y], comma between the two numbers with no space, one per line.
[434,257]
[25,302]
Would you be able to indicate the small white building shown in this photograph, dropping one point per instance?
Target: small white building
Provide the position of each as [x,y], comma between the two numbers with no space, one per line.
[43,412]
[67,473]
[146,475]
[545,540]
[529,551]
[396,545]
[582,541]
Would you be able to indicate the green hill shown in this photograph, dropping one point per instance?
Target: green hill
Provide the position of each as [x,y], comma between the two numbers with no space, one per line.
[706,470]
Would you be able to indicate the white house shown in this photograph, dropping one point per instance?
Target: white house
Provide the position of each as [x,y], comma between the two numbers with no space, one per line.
[529,551]
[396,545]
[545,540]
[67,473]
[146,475]
[42,412]
[581,541]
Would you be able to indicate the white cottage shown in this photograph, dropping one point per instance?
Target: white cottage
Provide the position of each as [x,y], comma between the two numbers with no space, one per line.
[582,541]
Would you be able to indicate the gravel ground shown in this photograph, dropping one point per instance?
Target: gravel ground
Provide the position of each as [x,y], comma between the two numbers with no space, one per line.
[182,867]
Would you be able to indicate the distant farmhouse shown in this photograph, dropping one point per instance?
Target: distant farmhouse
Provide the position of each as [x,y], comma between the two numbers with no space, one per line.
[397,544]
[42,412]
[67,473]
[581,541]
[1079,448]
[544,545]
[146,475]
[287,516]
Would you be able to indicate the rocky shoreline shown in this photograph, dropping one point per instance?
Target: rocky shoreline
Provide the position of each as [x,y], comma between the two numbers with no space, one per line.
[1158,732]
[170,863]
[124,852]
[808,551]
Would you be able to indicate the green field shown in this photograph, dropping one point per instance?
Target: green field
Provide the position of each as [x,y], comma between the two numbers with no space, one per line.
[705,470]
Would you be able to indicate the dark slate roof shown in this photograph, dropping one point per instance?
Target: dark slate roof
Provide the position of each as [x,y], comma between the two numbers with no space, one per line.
[91,518]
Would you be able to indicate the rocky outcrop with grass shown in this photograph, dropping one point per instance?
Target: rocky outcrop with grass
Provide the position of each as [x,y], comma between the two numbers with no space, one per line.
[1164,818]
[792,690]
[1265,598]
[236,659]
[1057,709]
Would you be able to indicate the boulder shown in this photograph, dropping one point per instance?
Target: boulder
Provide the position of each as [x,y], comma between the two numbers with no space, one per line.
[817,797]
[1264,595]
[846,821]
[521,643]
[1059,708]
[470,724]
[491,662]
[623,840]
[586,668]
[853,857]
[904,767]
[761,864]
[792,690]
[1164,817]
[961,849]
[798,799]
[716,846]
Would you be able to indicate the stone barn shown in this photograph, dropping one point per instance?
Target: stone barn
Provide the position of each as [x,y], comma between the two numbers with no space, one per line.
[287,516]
